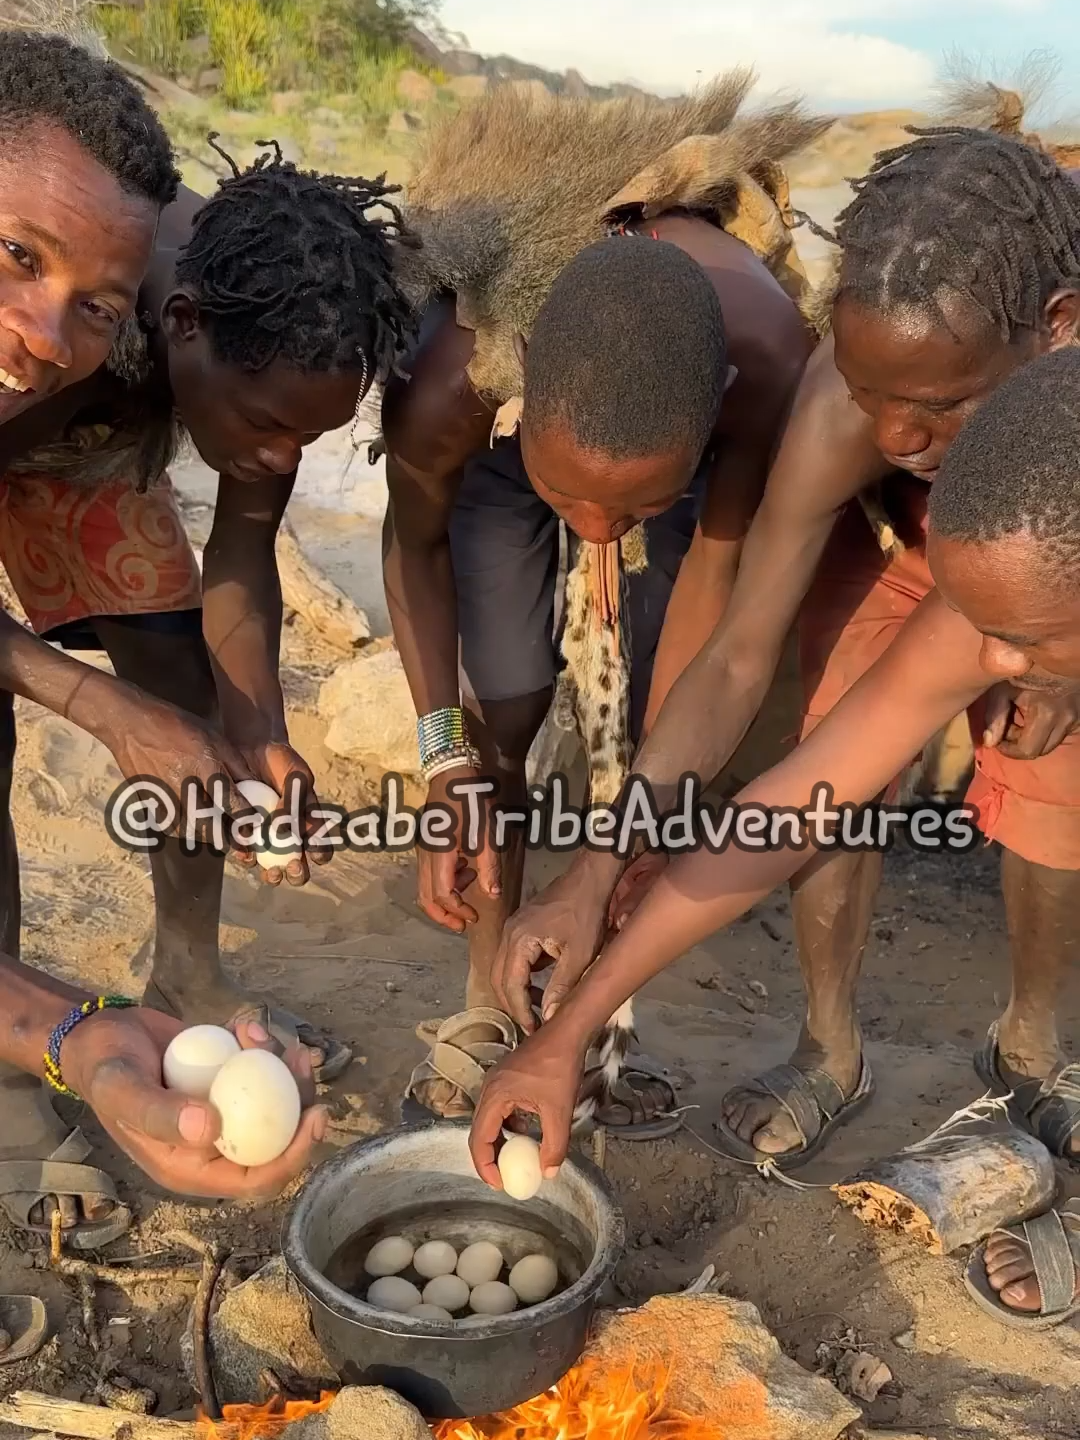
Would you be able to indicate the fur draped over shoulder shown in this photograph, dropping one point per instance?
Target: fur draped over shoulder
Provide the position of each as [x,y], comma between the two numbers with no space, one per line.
[510,188]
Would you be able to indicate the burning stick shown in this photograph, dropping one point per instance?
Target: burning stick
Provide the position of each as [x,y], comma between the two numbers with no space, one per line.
[213,1258]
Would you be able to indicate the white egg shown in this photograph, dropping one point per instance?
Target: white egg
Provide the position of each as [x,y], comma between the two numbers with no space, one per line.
[391,1292]
[449,1291]
[265,797]
[534,1278]
[479,1263]
[493,1298]
[195,1056]
[435,1258]
[388,1256]
[259,1104]
[519,1166]
[429,1312]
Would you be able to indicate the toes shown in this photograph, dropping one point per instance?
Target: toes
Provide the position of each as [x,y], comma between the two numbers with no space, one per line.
[1023,1295]
[778,1137]
[758,1117]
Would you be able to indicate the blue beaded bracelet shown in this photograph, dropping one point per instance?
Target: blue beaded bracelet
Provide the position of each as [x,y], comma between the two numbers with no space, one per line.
[53,1073]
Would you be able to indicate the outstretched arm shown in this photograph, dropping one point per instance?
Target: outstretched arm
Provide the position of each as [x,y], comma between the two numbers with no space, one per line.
[929,674]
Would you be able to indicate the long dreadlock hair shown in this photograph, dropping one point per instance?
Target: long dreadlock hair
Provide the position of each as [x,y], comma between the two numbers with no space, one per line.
[286,264]
[966,212]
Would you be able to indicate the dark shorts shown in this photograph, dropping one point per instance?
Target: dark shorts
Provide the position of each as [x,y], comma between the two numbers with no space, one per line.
[505,545]
[83,635]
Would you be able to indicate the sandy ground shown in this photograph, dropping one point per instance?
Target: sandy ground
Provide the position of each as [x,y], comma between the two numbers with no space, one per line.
[351,949]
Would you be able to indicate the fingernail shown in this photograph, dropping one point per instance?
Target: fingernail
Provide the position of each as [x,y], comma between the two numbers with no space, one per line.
[495,890]
[988,737]
[551,1172]
[192,1124]
[257,1033]
[318,1129]
[1013,1292]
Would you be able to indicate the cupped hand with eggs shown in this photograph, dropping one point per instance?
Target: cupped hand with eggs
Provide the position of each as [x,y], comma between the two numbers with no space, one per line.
[275,764]
[113,1061]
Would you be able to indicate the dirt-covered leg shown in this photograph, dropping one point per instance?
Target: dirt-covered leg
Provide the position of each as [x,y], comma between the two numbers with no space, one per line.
[187,978]
[1043,911]
[503,731]
[832,902]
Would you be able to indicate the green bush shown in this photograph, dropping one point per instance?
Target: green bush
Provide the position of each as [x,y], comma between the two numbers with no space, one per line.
[336,46]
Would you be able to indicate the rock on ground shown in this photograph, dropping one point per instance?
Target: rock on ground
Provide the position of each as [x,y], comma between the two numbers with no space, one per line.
[264,1324]
[370,713]
[725,1365]
[362,1413]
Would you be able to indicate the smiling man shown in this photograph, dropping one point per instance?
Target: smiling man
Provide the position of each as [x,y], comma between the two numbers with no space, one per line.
[960,263]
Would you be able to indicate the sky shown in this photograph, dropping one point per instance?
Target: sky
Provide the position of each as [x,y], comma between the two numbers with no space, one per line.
[843,54]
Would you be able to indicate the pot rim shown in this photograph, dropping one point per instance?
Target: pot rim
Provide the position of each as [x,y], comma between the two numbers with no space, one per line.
[347,1307]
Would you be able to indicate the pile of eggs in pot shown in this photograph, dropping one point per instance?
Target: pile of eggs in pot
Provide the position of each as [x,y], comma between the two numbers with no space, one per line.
[252,1090]
[435,1281]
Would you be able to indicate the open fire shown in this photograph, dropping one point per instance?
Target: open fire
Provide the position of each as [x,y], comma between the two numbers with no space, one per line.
[592,1402]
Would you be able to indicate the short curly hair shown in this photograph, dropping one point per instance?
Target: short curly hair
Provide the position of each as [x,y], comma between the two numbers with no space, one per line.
[48,79]
[629,351]
[286,264]
[1012,470]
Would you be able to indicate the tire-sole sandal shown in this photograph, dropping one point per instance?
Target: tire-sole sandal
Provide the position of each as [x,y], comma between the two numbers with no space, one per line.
[641,1105]
[459,1058]
[27,1183]
[27,1324]
[1048,1109]
[1053,1241]
[812,1099]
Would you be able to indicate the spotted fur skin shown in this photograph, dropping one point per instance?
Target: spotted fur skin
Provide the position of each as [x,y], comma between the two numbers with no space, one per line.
[594,698]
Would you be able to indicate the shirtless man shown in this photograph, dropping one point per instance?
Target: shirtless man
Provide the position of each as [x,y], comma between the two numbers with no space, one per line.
[961,262]
[1003,547]
[266,314]
[657,375]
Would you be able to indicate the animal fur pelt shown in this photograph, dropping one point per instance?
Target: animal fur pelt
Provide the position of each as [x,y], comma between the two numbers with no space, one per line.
[511,187]
[508,191]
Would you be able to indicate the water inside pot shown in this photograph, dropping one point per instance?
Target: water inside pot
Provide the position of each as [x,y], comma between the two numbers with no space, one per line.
[463,1223]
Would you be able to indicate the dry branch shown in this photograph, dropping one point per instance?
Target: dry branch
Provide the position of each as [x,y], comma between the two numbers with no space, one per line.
[949,1191]
[322,604]
[49,1415]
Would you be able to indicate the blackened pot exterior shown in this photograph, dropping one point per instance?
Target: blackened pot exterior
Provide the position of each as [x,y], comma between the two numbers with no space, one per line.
[476,1366]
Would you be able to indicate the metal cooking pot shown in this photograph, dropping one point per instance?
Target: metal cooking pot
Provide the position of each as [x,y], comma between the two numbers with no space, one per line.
[420,1182]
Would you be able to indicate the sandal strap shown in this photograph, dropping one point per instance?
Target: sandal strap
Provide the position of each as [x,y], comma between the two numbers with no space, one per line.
[1055,1114]
[1053,1261]
[54,1177]
[811,1097]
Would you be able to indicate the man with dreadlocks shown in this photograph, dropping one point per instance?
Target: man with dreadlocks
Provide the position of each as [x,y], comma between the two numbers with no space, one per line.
[584,271]
[960,262]
[265,316]
[1004,551]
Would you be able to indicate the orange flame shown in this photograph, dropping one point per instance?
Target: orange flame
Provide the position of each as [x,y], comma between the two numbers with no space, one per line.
[260,1422]
[592,1402]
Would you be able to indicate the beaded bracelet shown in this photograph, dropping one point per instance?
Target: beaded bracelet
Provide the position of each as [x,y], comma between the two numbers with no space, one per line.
[451,760]
[439,731]
[53,1073]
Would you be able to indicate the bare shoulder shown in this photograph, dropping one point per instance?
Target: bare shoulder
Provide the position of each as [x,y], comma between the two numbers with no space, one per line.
[433,420]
